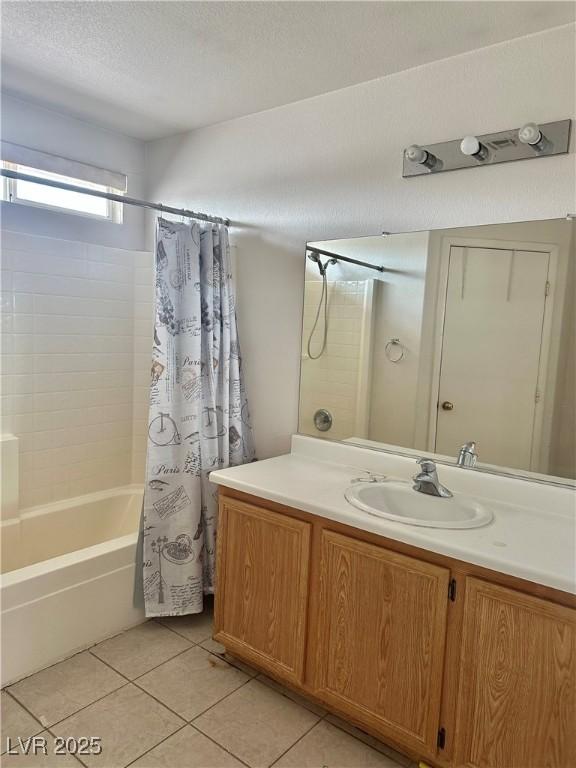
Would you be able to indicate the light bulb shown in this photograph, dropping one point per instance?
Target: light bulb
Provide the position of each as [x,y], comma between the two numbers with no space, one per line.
[416,154]
[530,134]
[472,147]
[421,156]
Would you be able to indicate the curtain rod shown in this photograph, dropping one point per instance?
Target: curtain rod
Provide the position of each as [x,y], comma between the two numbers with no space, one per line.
[111,196]
[346,258]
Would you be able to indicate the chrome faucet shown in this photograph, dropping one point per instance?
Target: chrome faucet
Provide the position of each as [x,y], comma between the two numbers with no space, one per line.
[467,455]
[426,481]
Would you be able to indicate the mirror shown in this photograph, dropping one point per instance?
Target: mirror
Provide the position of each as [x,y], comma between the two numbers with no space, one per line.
[430,340]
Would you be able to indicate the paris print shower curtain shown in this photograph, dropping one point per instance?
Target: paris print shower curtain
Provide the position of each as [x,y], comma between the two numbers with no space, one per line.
[198,418]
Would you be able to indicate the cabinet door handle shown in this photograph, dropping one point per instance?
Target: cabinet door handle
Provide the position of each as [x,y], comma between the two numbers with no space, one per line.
[447,406]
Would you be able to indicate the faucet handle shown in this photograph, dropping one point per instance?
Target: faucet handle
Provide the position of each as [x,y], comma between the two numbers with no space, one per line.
[467,455]
[428,466]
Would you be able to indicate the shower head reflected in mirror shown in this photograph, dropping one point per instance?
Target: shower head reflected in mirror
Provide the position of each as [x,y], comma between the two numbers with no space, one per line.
[323,302]
[321,267]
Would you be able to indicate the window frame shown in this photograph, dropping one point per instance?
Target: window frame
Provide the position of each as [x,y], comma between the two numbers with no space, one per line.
[114,209]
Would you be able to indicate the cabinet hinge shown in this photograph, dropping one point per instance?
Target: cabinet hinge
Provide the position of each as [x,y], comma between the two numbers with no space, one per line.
[441,741]
[452,590]
[547,288]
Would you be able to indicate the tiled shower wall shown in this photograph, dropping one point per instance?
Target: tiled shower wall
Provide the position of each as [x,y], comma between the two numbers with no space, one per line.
[143,331]
[76,320]
[333,380]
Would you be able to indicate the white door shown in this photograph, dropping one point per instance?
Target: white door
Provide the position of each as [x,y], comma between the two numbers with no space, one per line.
[491,353]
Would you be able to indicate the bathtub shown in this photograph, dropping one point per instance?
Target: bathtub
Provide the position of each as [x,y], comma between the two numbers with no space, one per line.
[69,570]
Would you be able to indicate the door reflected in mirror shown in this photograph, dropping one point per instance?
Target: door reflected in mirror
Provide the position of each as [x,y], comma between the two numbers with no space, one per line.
[431,340]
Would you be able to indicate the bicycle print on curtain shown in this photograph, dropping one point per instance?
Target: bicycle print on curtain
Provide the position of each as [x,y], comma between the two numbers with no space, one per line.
[198,418]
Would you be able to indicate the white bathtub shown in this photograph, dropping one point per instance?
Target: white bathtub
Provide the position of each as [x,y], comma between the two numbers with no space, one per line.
[68,581]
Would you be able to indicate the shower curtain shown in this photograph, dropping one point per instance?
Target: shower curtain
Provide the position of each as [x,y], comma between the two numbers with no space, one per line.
[198,418]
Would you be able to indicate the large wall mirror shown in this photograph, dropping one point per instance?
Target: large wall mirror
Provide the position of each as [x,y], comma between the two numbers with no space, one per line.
[429,340]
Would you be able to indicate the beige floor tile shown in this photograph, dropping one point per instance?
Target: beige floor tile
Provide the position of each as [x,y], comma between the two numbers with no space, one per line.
[192,682]
[140,649]
[371,741]
[129,723]
[57,692]
[190,749]
[326,746]
[15,721]
[218,650]
[196,628]
[256,724]
[37,758]
[292,695]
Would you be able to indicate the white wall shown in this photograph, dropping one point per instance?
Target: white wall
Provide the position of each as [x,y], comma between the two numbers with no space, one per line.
[43,129]
[330,167]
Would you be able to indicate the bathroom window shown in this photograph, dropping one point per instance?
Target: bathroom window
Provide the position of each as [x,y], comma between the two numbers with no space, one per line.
[28,193]
[54,168]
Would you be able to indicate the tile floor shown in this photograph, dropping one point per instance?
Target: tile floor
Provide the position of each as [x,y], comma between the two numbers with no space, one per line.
[165,695]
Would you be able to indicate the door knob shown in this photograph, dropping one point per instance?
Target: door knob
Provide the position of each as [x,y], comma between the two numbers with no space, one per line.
[447,406]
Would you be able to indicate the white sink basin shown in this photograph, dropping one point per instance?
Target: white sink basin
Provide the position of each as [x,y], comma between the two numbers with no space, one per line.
[397,500]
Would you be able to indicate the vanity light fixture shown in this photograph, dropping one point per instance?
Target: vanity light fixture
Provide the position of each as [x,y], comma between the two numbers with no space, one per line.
[528,142]
[472,147]
[416,154]
[531,135]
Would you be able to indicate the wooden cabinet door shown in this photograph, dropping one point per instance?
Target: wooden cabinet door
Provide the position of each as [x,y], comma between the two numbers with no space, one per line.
[262,587]
[381,635]
[516,704]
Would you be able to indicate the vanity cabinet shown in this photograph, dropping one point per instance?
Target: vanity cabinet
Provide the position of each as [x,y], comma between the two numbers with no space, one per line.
[381,633]
[517,697]
[451,663]
[263,565]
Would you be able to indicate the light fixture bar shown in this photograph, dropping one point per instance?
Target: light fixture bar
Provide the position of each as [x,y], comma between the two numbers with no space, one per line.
[525,143]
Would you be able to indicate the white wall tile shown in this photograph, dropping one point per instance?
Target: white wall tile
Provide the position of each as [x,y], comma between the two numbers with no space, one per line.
[331,381]
[46,264]
[76,346]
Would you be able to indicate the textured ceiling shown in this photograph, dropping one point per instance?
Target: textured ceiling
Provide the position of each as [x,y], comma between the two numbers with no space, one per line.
[150,69]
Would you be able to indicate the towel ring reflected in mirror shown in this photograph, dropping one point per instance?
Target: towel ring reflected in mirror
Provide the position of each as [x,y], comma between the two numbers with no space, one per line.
[395,350]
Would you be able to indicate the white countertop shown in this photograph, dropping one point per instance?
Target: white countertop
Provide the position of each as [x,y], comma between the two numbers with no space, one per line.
[532,536]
